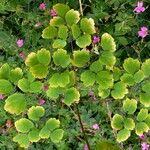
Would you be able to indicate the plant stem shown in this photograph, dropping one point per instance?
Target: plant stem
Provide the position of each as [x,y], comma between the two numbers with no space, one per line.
[81,10]
[82,128]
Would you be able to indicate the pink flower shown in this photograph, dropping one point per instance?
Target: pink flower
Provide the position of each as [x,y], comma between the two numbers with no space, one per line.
[42,6]
[38,24]
[2,97]
[41,101]
[22,55]
[95,126]
[86,147]
[53,12]
[142,137]
[20,42]
[95,39]
[145,146]
[143,32]
[139,8]
[45,87]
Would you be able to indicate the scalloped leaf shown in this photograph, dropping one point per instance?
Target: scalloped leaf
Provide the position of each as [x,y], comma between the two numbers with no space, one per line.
[4,71]
[72,95]
[141,128]
[36,112]
[103,93]
[63,32]
[88,78]
[96,66]
[61,58]
[131,65]
[123,135]
[130,106]
[49,32]
[76,32]
[57,135]
[36,87]
[57,21]
[61,9]
[147,120]
[59,43]
[24,85]
[33,135]
[129,123]
[119,90]
[84,41]
[127,79]
[145,99]
[44,133]
[87,25]
[72,17]
[80,58]
[146,67]
[15,104]
[52,124]
[139,76]
[142,115]
[116,73]
[108,43]
[44,56]
[24,125]
[146,87]
[6,87]
[117,122]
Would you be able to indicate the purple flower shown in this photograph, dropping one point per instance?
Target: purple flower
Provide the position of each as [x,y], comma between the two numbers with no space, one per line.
[53,12]
[42,6]
[41,101]
[2,97]
[86,147]
[22,55]
[143,32]
[20,42]
[145,146]
[95,126]
[139,8]
[142,137]
[95,39]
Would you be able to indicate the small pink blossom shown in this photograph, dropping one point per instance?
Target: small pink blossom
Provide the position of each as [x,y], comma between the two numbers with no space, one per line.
[139,8]
[2,97]
[145,146]
[22,55]
[143,32]
[142,137]
[45,87]
[53,12]
[38,24]
[95,126]
[20,42]
[95,39]
[42,6]
[86,147]
[41,101]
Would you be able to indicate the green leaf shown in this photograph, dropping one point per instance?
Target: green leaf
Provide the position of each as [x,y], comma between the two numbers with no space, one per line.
[52,124]
[44,133]
[49,32]
[59,43]
[103,93]
[139,76]
[61,58]
[23,125]
[131,65]
[76,32]
[57,135]
[141,128]
[84,41]
[127,79]
[34,135]
[119,90]
[24,85]
[80,58]
[108,43]
[6,87]
[146,67]
[61,9]
[63,32]
[129,123]
[88,78]
[35,87]
[15,104]
[147,120]
[117,122]
[4,71]
[22,140]
[36,112]
[57,21]
[146,87]
[44,56]
[72,95]
[130,106]
[145,99]
[142,115]
[87,25]
[116,73]
[123,135]
[96,66]
[105,79]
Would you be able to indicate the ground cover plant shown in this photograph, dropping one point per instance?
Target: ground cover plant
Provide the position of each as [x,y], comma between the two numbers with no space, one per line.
[74,75]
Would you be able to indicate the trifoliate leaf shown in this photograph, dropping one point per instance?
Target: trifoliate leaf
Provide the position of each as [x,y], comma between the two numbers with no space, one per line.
[119,90]
[60,57]
[146,67]
[117,122]
[145,99]
[142,115]
[72,17]
[24,125]
[52,124]
[24,85]
[84,41]
[72,95]
[129,123]
[57,135]
[130,106]
[44,133]
[87,25]
[131,65]
[57,21]
[139,76]
[96,66]
[108,43]
[141,128]
[59,43]
[76,32]
[127,79]
[49,32]
[4,71]
[36,112]
[15,104]
[88,78]
[34,135]
[123,135]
